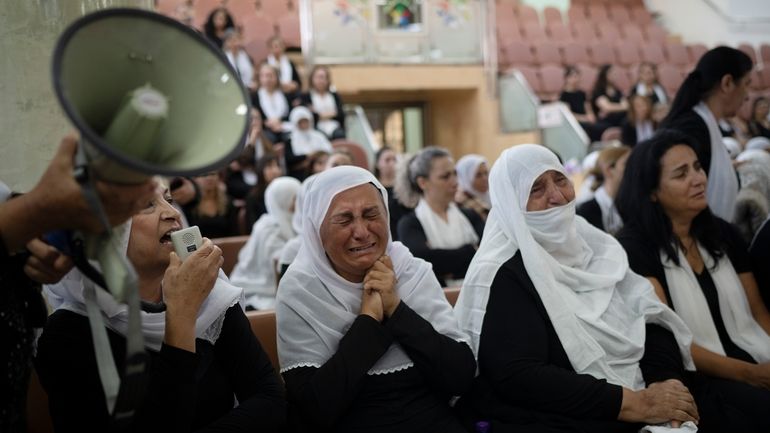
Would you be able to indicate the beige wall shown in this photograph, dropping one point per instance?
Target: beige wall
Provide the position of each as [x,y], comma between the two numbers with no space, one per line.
[461,113]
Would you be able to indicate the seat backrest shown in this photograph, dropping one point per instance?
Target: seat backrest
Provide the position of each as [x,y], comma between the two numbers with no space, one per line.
[273,8]
[230,247]
[533,78]
[263,326]
[576,14]
[641,16]
[552,15]
[528,14]
[764,51]
[676,54]
[653,53]
[749,50]
[355,150]
[508,29]
[627,53]
[696,52]
[552,77]
[588,76]
[608,32]
[620,76]
[575,53]
[559,32]
[598,12]
[655,34]
[670,78]
[620,14]
[519,52]
[632,33]
[602,54]
[547,53]
[583,31]
[533,31]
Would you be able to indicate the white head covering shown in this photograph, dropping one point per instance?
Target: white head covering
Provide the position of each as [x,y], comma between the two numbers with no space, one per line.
[597,306]
[290,250]
[304,142]
[316,306]
[732,146]
[68,294]
[466,168]
[758,143]
[586,193]
[256,271]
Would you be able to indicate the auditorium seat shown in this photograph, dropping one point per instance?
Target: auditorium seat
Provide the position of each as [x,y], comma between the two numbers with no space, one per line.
[355,150]
[575,53]
[263,326]
[273,8]
[757,81]
[518,53]
[230,247]
[641,16]
[559,32]
[608,32]
[547,53]
[748,49]
[202,10]
[765,73]
[532,77]
[288,28]
[257,28]
[576,14]
[598,12]
[633,33]
[696,52]
[670,78]
[527,14]
[507,28]
[583,31]
[656,34]
[552,15]
[652,53]
[602,54]
[676,54]
[764,51]
[241,9]
[533,31]
[619,13]
[588,76]
[552,79]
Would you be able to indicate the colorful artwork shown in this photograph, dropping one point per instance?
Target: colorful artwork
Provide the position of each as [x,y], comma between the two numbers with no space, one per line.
[399,14]
[453,13]
[349,10]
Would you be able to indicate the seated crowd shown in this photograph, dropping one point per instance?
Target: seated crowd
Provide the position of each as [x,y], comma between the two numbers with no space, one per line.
[646,304]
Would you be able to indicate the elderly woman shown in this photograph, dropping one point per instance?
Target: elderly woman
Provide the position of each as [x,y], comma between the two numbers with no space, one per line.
[473,177]
[367,342]
[699,266]
[291,248]
[203,357]
[567,337]
[257,268]
[438,230]
[600,210]
[304,141]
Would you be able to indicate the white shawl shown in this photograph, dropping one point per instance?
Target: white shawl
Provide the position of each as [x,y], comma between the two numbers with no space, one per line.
[466,168]
[611,219]
[453,233]
[290,250]
[68,294]
[315,306]
[284,67]
[273,104]
[255,271]
[722,187]
[690,303]
[325,104]
[242,64]
[306,141]
[596,304]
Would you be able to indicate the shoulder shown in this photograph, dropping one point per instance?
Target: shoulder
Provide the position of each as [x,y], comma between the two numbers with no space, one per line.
[588,207]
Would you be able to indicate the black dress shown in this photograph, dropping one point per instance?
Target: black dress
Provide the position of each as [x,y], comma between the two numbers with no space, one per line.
[611,119]
[396,210]
[592,212]
[758,130]
[577,104]
[759,253]
[724,405]
[445,263]
[217,226]
[526,382]
[186,392]
[341,397]
[272,136]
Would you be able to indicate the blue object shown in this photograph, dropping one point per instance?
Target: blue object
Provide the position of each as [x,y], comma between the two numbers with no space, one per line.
[61,240]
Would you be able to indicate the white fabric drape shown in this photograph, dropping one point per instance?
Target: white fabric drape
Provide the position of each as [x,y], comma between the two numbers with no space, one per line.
[466,168]
[722,188]
[448,234]
[284,67]
[644,130]
[690,303]
[596,304]
[316,306]
[611,219]
[273,104]
[242,64]
[306,141]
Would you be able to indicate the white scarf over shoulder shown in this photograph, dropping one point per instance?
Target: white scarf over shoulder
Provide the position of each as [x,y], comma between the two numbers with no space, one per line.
[596,304]
[448,234]
[256,271]
[466,168]
[291,249]
[722,187]
[68,294]
[284,67]
[315,306]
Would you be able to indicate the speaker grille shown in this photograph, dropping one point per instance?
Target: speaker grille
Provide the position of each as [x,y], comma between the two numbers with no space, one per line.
[188,238]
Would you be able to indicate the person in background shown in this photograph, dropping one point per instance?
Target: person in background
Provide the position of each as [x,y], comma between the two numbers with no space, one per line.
[607,101]
[291,249]
[752,205]
[217,24]
[273,105]
[325,104]
[268,169]
[600,211]
[759,125]
[206,369]
[714,90]
[304,141]
[473,179]
[367,340]
[257,268]
[759,254]
[56,202]
[339,157]
[288,77]
[648,85]
[385,172]
[699,266]
[437,231]
[316,163]
[243,64]
[587,170]
[580,107]
[241,174]
[567,337]
[639,125]
[214,213]
[258,140]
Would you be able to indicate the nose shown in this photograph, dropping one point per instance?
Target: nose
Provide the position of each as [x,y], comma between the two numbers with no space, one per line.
[169,212]
[359,228]
[555,195]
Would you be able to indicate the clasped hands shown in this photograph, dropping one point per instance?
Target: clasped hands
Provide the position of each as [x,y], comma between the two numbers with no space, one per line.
[379,298]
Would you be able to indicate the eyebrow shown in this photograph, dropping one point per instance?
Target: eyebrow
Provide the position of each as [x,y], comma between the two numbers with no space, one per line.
[680,167]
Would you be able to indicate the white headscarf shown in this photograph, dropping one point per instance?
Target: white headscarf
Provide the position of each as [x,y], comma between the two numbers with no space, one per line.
[732,145]
[722,187]
[256,271]
[758,143]
[304,142]
[596,304]
[316,306]
[611,219]
[68,294]
[466,168]
[242,64]
[290,250]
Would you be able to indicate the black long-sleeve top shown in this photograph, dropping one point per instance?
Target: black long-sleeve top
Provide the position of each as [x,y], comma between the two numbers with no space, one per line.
[340,396]
[186,391]
[592,212]
[525,376]
[454,262]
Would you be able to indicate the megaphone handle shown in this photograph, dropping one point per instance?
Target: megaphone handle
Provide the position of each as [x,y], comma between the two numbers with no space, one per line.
[83,176]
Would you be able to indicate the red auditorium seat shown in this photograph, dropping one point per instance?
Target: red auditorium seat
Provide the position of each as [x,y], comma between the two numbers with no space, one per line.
[588,76]
[619,13]
[559,32]
[632,33]
[764,51]
[670,78]
[552,78]
[576,53]
[273,8]
[749,50]
[519,53]
[167,7]
[652,53]
[508,31]
[288,27]
[602,54]
[656,34]
[230,247]
[621,78]
[240,9]
[552,15]
[576,14]
[533,78]
[528,14]
[757,81]
[598,12]
[676,54]
[584,31]
[696,51]
[547,53]
[533,31]
[608,32]
[641,16]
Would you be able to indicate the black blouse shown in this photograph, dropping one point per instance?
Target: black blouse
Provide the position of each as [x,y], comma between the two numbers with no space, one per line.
[759,253]
[576,101]
[341,397]
[592,212]
[186,392]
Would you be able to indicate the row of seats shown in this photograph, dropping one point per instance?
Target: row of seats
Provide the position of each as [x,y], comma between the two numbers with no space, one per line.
[620,12]
[581,31]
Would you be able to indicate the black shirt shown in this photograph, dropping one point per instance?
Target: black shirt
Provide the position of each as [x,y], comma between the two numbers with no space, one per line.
[445,263]
[592,212]
[576,101]
[644,259]
[186,391]
[759,254]
[341,397]
[396,210]
[525,376]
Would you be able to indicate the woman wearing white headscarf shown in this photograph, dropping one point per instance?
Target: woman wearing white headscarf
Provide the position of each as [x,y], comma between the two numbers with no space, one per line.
[257,267]
[304,141]
[291,249]
[562,329]
[367,341]
[753,203]
[473,179]
[438,230]
[202,353]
